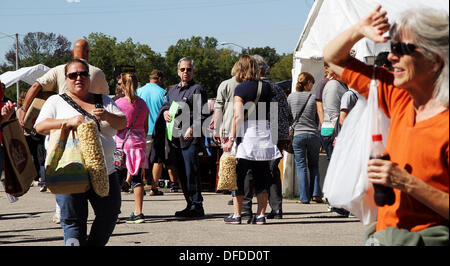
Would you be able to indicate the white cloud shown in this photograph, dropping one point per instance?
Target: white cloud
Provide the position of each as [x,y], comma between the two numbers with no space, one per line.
[73,1]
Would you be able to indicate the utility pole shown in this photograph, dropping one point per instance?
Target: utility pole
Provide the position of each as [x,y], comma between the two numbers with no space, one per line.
[17,64]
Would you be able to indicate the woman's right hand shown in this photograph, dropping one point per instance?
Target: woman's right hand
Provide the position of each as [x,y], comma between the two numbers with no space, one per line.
[74,122]
[375,25]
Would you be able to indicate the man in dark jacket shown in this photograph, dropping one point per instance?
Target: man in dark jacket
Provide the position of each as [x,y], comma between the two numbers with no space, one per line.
[187,136]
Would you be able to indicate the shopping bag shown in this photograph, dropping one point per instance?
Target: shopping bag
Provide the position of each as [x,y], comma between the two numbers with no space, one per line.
[227,171]
[64,169]
[93,157]
[19,168]
[346,183]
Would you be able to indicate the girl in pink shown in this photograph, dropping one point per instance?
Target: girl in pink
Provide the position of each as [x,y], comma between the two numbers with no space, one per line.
[136,111]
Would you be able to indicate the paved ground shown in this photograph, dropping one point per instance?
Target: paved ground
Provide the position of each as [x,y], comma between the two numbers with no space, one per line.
[28,222]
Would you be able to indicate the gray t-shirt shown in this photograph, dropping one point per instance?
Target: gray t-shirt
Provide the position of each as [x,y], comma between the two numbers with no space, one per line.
[308,122]
[331,98]
[349,100]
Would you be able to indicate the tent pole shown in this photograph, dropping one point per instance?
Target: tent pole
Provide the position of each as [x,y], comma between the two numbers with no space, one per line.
[17,65]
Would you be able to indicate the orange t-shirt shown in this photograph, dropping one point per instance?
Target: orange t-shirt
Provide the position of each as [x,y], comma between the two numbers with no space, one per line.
[422,148]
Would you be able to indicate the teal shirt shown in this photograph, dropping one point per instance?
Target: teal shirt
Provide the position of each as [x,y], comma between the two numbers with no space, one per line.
[154,97]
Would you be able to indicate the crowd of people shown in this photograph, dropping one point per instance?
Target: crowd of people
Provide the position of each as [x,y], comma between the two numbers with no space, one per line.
[413,93]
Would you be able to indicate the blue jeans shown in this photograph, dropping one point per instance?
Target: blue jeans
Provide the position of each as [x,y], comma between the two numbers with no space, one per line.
[74,214]
[306,154]
[189,174]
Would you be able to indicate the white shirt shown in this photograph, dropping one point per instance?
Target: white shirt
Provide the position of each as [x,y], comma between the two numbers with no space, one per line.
[57,108]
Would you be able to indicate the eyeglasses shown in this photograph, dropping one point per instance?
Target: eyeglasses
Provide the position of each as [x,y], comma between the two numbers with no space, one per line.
[74,75]
[401,48]
[186,69]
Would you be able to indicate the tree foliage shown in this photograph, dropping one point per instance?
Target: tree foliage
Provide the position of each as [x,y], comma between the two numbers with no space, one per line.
[282,70]
[212,65]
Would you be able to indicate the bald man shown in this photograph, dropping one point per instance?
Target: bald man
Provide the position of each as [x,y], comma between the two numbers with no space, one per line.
[55,81]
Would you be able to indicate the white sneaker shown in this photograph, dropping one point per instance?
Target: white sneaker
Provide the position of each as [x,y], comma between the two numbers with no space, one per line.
[56,218]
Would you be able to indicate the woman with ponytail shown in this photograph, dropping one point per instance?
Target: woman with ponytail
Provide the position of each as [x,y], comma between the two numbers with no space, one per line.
[306,142]
[132,139]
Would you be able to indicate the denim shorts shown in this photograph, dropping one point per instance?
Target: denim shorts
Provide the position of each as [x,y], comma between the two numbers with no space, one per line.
[137,180]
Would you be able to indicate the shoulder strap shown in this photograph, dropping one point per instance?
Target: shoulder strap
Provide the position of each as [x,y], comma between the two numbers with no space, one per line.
[253,107]
[79,109]
[301,111]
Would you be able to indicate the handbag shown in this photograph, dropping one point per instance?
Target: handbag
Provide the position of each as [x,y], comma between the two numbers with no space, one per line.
[119,155]
[64,169]
[290,149]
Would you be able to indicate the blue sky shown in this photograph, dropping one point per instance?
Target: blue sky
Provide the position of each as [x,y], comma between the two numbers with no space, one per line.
[161,23]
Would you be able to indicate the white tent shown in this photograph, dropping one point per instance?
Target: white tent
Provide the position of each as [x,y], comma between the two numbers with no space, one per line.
[325,21]
[328,18]
[26,74]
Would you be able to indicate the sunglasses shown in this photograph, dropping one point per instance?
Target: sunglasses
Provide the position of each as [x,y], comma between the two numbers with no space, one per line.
[186,69]
[74,75]
[401,48]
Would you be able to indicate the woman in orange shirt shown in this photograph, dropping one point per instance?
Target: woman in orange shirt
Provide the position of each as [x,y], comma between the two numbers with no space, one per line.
[415,96]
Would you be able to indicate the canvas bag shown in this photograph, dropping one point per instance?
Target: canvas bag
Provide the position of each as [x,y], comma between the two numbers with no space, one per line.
[346,183]
[64,169]
[19,168]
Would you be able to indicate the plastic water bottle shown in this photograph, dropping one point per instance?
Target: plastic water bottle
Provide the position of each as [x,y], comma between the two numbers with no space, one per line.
[383,195]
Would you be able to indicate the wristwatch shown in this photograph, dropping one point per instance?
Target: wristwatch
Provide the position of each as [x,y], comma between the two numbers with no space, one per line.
[233,139]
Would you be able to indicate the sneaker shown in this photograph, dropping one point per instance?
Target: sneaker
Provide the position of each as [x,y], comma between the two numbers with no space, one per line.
[56,218]
[317,199]
[43,189]
[230,202]
[256,220]
[232,220]
[136,219]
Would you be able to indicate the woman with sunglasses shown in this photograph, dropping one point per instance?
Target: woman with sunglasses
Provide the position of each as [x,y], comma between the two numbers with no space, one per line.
[415,97]
[57,113]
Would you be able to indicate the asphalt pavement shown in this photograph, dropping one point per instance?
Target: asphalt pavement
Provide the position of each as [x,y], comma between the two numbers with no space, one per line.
[28,222]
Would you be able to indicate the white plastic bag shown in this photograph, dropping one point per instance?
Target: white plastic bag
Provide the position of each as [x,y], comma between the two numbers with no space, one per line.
[346,183]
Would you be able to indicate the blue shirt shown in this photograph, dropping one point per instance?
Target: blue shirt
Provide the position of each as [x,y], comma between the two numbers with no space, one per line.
[154,97]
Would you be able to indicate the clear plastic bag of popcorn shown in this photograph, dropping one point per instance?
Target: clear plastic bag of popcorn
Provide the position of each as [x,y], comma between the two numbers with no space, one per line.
[227,171]
[93,156]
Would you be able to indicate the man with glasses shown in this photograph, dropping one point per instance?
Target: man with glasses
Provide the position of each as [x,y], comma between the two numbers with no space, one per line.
[187,138]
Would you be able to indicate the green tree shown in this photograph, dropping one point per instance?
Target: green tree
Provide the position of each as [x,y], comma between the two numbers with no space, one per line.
[40,48]
[269,54]
[212,66]
[102,54]
[282,70]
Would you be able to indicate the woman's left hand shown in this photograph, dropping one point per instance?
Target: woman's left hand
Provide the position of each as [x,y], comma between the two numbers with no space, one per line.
[387,173]
[228,146]
[100,113]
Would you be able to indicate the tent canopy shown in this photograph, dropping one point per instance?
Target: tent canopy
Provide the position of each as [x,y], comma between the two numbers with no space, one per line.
[328,18]
[26,74]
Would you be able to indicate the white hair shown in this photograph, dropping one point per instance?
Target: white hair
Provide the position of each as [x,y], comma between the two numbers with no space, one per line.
[430,30]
